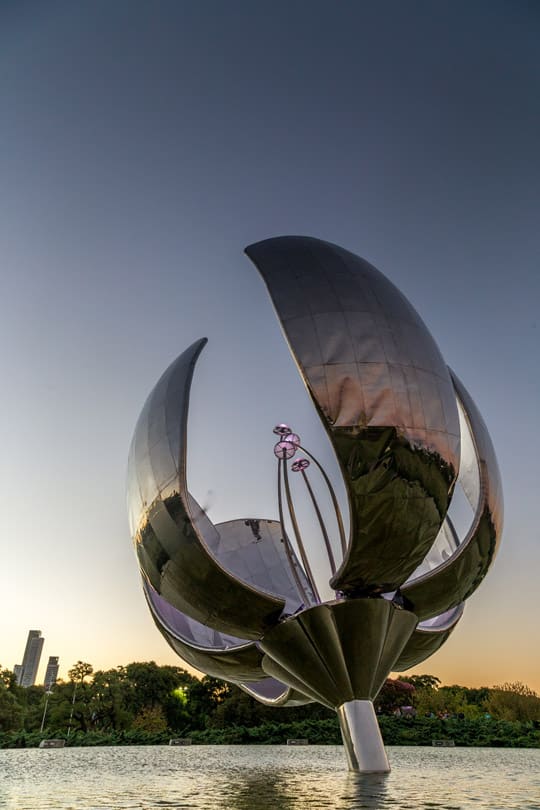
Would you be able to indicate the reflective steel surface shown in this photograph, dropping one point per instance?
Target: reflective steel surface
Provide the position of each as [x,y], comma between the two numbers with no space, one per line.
[357,721]
[272,692]
[338,651]
[428,637]
[239,600]
[171,532]
[459,576]
[384,395]
[205,649]
[254,551]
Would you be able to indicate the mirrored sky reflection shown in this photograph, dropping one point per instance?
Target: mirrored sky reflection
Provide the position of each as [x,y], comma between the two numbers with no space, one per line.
[142,148]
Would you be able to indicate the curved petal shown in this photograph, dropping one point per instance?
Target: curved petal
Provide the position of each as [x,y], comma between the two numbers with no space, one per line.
[384,395]
[217,654]
[459,576]
[253,550]
[428,637]
[171,532]
[213,653]
[272,692]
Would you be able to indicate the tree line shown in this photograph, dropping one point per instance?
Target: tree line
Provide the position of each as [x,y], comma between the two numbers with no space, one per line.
[143,702]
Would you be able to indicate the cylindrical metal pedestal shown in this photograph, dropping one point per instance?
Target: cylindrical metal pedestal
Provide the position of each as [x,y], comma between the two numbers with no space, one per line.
[362,737]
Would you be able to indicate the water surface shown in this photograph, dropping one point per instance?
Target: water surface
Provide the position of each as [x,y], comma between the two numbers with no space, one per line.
[266,778]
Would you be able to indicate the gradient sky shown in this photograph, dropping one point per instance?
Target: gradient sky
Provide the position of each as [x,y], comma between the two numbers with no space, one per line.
[142,146]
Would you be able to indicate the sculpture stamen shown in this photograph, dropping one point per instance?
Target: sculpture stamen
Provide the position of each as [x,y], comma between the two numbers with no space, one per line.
[297,534]
[301,466]
[287,543]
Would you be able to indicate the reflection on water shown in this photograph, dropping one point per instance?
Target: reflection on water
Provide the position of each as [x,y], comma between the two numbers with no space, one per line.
[365,790]
[308,787]
[266,778]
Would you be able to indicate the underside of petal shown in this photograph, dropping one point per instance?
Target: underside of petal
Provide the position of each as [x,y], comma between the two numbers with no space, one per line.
[272,692]
[428,637]
[207,650]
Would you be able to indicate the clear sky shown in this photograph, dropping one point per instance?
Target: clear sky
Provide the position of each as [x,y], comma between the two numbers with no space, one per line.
[142,146]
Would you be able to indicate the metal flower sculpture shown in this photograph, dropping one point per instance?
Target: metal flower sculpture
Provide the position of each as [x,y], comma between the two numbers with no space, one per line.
[239,600]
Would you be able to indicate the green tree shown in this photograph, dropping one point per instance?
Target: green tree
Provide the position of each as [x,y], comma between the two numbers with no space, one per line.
[11,711]
[151,719]
[422,681]
[203,697]
[80,671]
[514,701]
[108,700]
[59,709]
[80,713]
[7,679]
[32,700]
[149,685]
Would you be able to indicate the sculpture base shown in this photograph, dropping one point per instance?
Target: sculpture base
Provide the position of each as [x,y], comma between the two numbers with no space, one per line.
[362,737]
[339,654]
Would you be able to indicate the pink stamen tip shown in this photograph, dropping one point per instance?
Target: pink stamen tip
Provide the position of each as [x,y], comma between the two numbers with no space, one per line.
[284,450]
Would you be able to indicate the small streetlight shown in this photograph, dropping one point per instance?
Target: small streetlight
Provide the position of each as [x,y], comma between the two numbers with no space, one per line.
[48,693]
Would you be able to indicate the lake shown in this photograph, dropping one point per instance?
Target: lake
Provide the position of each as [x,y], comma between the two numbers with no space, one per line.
[266,777]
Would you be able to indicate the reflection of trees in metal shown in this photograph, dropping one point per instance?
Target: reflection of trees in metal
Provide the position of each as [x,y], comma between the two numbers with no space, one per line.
[405,433]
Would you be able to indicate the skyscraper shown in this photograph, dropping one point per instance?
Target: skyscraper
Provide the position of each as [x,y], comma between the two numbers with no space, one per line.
[27,671]
[51,673]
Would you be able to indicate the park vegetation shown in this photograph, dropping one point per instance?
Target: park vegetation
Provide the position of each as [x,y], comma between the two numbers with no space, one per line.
[143,703]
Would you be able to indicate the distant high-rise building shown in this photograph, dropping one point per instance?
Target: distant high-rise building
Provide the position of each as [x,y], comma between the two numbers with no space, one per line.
[51,673]
[27,671]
